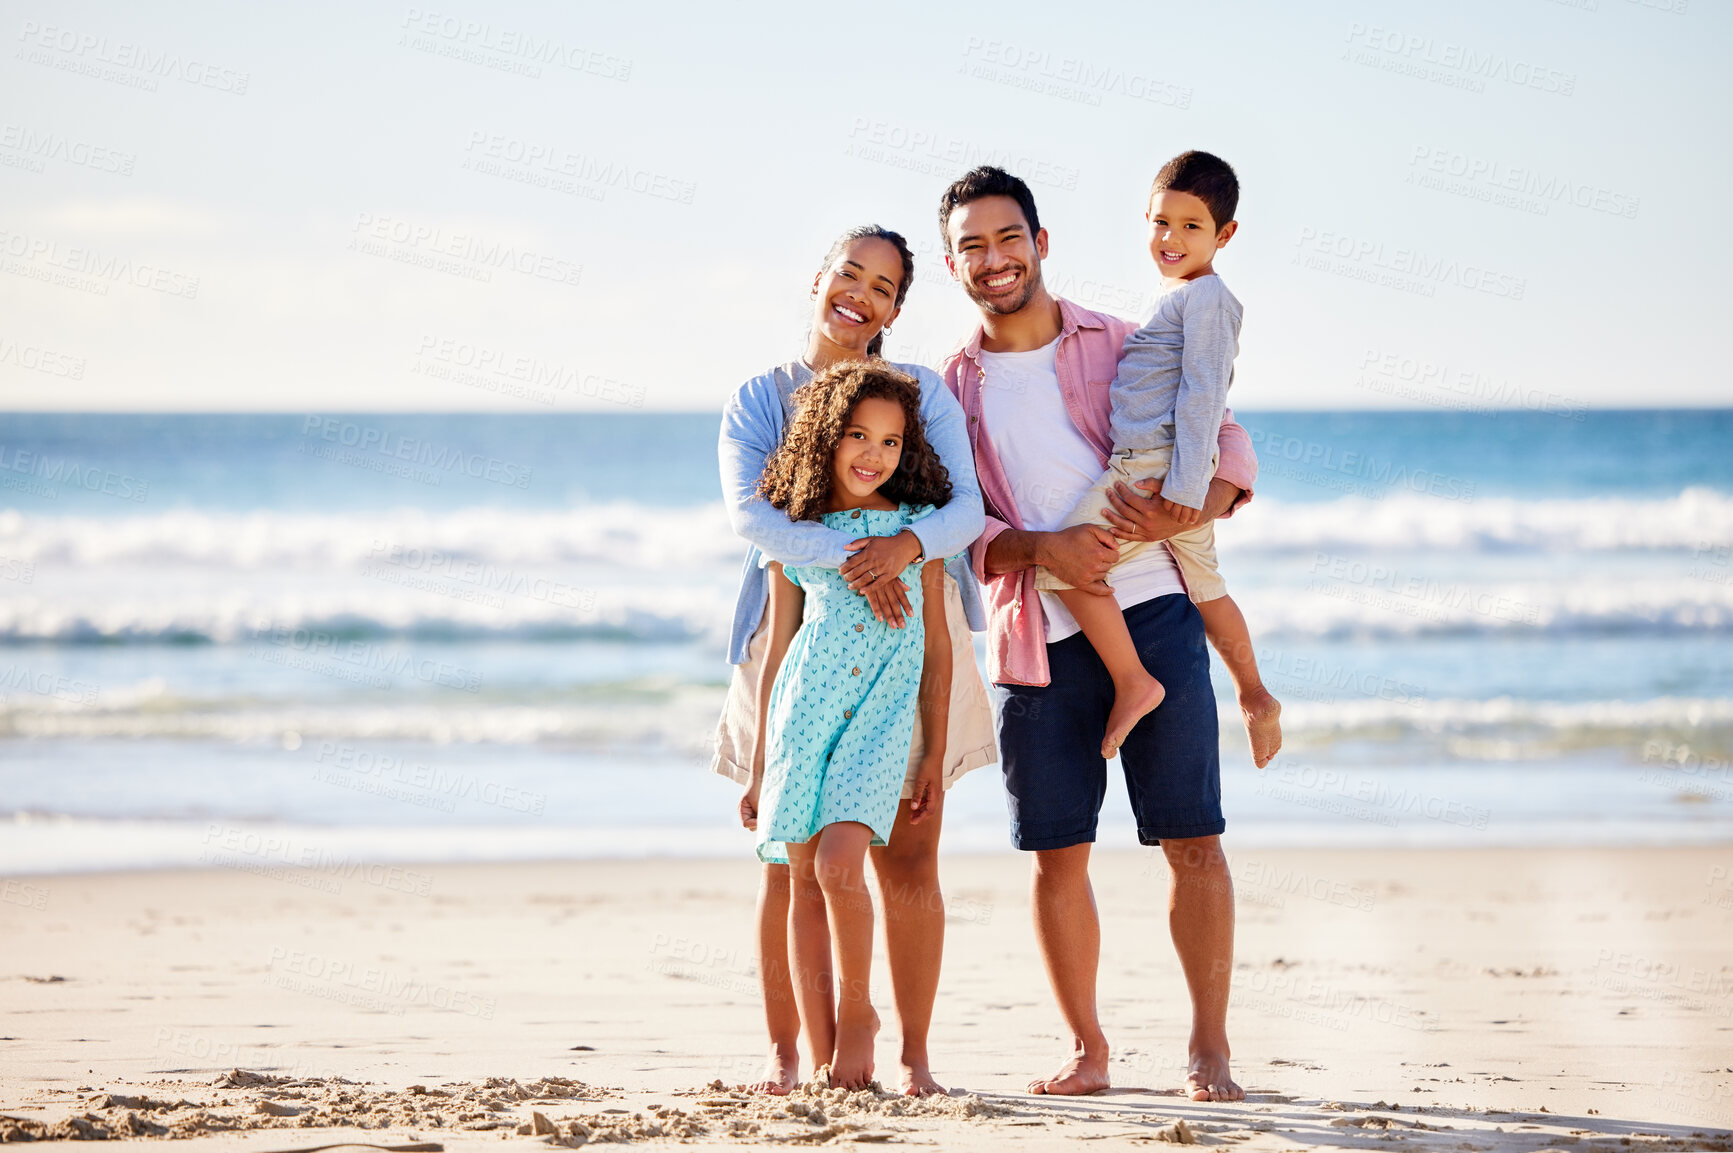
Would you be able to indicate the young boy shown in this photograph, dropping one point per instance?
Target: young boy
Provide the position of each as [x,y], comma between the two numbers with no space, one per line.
[1167,409]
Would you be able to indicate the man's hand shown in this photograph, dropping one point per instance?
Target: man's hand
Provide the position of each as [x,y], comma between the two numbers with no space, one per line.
[875,571]
[1080,556]
[1138,515]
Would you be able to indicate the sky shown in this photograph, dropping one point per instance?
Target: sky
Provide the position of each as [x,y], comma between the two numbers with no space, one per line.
[530,207]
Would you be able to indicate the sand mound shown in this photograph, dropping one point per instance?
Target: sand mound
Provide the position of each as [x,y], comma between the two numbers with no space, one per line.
[241,1100]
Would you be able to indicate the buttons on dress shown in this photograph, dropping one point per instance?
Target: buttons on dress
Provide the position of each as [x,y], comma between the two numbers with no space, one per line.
[854,672]
[847,714]
[859,628]
[855,514]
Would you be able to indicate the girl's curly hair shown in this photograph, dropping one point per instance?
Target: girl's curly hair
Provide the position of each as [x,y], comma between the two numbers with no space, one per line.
[797,477]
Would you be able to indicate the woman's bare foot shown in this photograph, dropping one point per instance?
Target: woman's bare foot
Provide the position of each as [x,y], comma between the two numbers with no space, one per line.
[1085,1073]
[853,1066]
[1263,714]
[918,1079]
[1209,1079]
[781,1072]
[1132,701]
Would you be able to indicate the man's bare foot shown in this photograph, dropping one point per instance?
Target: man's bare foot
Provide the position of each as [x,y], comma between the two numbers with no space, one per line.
[1263,714]
[853,1066]
[1085,1073]
[918,1079]
[1209,1079]
[1132,701]
[781,1072]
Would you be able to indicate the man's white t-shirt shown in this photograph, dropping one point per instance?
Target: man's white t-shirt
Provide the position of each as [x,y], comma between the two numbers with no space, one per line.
[1050,465]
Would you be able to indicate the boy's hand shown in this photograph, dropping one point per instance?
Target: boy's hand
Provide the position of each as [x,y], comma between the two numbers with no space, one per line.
[1181,513]
[749,807]
[929,790]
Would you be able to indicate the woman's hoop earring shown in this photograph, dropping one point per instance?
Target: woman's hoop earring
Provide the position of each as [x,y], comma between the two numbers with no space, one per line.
[886,330]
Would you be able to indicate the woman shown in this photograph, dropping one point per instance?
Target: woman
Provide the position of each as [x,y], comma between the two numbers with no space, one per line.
[856,295]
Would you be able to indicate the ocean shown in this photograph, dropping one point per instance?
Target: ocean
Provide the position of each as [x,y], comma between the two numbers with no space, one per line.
[302,644]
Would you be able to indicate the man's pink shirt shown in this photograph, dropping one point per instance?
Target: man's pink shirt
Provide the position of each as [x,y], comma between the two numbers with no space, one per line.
[1088,358]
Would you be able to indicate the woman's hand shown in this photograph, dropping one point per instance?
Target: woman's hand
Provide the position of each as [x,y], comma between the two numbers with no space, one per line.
[929,789]
[876,570]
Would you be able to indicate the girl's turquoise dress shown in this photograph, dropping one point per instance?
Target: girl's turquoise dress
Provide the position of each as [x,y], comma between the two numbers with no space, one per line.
[842,711]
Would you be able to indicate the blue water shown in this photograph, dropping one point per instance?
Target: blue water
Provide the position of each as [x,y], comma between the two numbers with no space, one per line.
[368,629]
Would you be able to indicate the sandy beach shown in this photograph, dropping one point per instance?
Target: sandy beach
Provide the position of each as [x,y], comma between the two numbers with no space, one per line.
[1485,1000]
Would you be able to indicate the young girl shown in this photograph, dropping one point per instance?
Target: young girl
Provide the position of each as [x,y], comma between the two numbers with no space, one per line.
[842,689]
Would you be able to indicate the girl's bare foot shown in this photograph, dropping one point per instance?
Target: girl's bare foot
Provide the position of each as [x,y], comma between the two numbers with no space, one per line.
[1132,701]
[853,1067]
[918,1079]
[781,1072]
[1263,714]
[1209,1079]
[1085,1073]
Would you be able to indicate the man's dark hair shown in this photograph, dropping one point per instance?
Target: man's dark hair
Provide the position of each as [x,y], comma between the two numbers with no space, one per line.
[985,181]
[1206,177]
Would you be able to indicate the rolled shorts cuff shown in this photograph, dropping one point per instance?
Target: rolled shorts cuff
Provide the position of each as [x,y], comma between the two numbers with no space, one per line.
[1156,834]
[1039,840]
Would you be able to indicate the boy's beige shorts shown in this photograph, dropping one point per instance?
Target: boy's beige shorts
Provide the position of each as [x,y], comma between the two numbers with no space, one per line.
[969,743]
[1194,549]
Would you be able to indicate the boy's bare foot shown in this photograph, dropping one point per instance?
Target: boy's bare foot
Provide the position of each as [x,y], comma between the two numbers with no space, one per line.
[853,1067]
[1085,1073]
[1263,715]
[1209,1079]
[781,1073]
[918,1079]
[1132,701]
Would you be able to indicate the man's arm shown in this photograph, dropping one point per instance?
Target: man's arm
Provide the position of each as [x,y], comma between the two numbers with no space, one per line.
[1138,515]
[1080,556]
[748,438]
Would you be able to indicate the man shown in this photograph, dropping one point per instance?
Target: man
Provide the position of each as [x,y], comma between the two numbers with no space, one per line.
[1033,381]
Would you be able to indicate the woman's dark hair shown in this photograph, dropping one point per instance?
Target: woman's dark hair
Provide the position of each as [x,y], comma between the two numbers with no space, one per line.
[981,182]
[797,477]
[875,347]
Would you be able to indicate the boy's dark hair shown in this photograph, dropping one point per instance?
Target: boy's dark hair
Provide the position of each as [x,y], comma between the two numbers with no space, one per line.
[875,347]
[797,477]
[1207,177]
[985,181]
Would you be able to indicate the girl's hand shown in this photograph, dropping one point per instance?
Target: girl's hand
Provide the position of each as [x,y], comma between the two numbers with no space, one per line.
[749,807]
[928,792]
[876,569]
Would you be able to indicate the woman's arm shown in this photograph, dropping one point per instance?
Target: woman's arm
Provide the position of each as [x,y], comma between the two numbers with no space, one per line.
[748,436]
[935,698]
[787,605]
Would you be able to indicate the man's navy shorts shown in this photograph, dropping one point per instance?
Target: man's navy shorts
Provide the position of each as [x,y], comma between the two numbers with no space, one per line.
[1050,738]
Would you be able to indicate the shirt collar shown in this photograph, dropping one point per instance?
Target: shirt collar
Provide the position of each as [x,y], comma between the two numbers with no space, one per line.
[1071,318]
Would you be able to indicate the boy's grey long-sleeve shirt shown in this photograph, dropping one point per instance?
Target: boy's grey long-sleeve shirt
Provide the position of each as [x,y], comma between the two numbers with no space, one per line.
[752,427]
[1173,383]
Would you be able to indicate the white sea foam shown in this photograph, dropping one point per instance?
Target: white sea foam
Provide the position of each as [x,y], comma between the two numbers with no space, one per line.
[1697,518]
